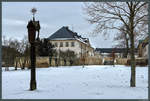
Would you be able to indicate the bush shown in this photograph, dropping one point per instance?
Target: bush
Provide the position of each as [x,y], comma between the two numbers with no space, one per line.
[108,62]
[139,62]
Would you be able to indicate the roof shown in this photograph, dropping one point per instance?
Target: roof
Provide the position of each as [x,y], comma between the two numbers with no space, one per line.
[144,42]
[110,50]
[63,32]
[146,39]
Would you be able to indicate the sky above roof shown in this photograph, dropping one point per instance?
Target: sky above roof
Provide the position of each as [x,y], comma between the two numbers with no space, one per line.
[52,16]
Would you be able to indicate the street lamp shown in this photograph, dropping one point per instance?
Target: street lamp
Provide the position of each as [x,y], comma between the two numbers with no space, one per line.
[32,27]
[113,56]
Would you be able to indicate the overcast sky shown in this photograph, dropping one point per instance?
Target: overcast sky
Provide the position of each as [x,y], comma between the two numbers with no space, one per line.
[52,16]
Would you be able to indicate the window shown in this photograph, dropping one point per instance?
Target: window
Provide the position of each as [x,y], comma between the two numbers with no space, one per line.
[61,44]
[67,44]
[72,44]
[56,45]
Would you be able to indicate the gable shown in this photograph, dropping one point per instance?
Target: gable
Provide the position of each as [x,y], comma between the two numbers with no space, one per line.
[63,32]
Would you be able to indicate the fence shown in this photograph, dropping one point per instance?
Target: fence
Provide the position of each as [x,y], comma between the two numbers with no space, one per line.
[47,61]
[121,61]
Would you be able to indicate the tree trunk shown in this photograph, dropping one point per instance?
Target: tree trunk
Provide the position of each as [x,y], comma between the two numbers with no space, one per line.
[132,48]
[133,63]
[16,65]
[33,66]
[127,47]
[50,61]
[24,63]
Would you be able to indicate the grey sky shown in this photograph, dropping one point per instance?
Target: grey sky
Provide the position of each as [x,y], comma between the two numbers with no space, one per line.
[52,16]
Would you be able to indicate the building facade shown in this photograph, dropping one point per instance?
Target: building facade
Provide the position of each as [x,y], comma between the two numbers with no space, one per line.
[143,48]
[64,39]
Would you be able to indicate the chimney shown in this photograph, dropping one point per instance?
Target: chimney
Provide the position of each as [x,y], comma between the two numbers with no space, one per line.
[66,27]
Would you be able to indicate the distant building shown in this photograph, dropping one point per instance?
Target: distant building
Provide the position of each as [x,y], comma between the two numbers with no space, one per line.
[64,39]
[105,52]
[143,48]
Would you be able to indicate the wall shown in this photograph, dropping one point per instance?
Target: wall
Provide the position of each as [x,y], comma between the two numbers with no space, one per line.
[76,48]
[45,62]
[121,61]
[145,51]
[79,48]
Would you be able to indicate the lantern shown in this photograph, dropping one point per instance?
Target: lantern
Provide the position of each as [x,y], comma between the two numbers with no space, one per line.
[31,32]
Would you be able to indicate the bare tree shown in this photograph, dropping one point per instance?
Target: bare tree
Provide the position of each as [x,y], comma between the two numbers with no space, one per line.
[16,45]
[68,56]
[25,50]
[10,50]
[123,40]
[111,15]
[4,40]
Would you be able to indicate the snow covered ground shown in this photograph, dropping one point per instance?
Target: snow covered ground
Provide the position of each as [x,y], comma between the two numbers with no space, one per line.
[91,82]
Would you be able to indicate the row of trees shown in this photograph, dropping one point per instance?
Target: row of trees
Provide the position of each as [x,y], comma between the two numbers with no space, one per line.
[129,18]
[68,56]
[45,48]
[14,50]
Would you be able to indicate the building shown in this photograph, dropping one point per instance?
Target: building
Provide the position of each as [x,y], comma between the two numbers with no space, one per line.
[106,52]
[117,53]
[64,39]
[143,48]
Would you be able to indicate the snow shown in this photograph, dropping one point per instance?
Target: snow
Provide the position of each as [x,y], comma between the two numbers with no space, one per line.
[75,82]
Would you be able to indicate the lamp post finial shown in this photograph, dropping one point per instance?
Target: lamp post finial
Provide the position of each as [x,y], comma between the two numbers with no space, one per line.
[33,11]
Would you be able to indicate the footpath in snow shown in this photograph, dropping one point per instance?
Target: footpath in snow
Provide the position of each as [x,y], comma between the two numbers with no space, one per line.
[75,82]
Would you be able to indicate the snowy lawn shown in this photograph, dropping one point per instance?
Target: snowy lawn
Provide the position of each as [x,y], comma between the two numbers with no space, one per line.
[91,82]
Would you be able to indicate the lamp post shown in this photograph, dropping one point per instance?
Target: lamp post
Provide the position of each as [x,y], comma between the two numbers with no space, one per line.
[127,45]
[32,27]
[31,37]
[113,56]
